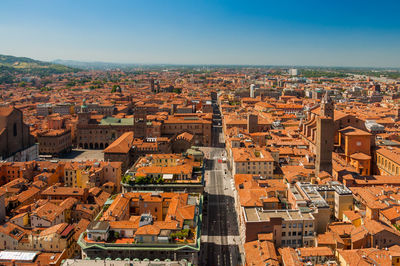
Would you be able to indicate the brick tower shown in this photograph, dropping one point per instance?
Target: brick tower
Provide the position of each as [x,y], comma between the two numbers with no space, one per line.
[140,123]
[325,136]
[252,123]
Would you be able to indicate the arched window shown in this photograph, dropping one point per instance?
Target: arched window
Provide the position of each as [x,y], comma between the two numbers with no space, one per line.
[15,129]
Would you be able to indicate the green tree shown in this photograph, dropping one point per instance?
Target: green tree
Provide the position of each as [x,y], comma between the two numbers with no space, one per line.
[114,88]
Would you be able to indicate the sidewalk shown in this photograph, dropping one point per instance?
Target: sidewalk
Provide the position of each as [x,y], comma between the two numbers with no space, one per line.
[235,240]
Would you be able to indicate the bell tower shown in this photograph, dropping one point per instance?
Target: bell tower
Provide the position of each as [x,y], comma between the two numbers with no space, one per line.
[84,115]
[325,136]
[327,107]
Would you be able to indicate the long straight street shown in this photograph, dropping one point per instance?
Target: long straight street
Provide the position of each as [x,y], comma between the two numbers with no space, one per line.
[220,237]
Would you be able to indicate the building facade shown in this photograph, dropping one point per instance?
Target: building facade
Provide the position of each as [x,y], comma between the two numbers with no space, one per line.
[55,141]
[16,142]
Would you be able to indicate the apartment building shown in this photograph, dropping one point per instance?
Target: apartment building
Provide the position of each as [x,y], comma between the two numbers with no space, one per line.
[336,195]
[252,161]
[12,236]
[61,193]
[146,225]
[47,215]
[327,201]
[89,174]
[166,168]
[290,228]
[55,239]
[13,170]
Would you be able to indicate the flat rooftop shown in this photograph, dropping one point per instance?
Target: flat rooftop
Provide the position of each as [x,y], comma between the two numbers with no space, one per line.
[22,256]
[295,193]
[255,214]
[339,188]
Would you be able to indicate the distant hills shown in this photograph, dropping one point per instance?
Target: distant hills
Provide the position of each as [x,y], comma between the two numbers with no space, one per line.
[11,65]
[24,65]
[92,65]
[97,65]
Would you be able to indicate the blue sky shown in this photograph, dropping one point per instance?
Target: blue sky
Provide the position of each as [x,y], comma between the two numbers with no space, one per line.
[308,32]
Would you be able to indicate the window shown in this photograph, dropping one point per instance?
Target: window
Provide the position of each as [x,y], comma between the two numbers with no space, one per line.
[283,225]
[283,243]
[15,129]
[283,233]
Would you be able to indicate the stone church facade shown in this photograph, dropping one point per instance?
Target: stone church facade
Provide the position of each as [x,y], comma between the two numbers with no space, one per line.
[16,142]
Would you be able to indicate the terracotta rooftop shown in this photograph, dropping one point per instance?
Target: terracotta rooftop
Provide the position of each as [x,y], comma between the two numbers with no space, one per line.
[121,145]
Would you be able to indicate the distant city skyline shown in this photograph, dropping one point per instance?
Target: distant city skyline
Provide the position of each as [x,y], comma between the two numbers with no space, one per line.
[292,33]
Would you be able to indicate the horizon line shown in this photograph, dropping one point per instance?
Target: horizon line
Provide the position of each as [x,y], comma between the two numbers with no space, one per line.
[210,64]
[222,64]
